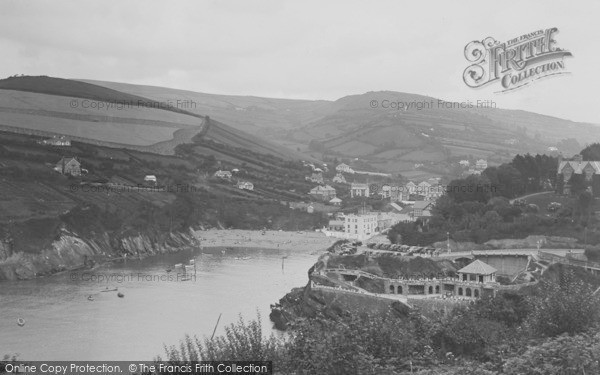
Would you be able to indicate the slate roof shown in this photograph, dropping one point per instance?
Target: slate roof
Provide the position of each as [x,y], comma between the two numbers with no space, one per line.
[579,166]
[422,205]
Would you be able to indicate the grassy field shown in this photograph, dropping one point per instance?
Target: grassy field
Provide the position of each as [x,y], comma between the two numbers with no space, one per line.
[137,126]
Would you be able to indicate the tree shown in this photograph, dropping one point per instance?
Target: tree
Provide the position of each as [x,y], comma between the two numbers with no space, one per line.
[585,202]
[566,305]
[561,355]
[473,188]
[578,184]
[591,152]
[491,219]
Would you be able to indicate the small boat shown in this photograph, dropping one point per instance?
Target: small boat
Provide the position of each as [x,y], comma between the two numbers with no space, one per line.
[20,322]
[179,265]
[246,258]
[120,295]
[168,270]
[90,298]
[110,290]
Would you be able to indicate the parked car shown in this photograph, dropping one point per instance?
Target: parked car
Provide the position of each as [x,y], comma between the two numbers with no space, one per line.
[554,206]
[520,202]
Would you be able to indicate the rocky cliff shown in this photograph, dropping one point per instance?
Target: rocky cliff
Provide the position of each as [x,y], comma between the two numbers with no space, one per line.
[71,251]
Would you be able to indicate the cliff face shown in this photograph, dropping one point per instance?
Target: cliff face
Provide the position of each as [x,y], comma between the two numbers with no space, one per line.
[70,251]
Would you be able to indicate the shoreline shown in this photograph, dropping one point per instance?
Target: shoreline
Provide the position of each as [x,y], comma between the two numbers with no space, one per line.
[240,238]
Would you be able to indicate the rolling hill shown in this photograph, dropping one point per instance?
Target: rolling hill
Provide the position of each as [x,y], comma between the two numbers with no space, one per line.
[389,139]
[95,114]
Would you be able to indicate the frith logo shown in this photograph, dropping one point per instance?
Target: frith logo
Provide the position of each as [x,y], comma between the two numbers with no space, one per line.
[515,63]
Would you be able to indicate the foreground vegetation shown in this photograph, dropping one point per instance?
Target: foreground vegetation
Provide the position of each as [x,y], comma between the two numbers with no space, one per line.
[552,328]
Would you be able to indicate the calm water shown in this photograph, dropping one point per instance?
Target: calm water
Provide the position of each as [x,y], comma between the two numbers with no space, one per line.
[61,324]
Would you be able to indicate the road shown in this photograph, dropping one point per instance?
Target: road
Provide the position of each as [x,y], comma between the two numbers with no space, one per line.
[458,254]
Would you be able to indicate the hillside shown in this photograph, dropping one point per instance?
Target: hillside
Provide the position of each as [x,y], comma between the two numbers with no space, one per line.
[386,139]
[111,204]
[94,114]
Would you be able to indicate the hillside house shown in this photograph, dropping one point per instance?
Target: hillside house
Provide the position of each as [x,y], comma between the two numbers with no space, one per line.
[473,171]
[223,174]
[434,192]
[150,178]
[422,209]
[245,185]
[344,168]
[68,166]
[410,187]
[423,188]
[398,194]
[336,201]
[323,193]
[464,163]
[317,178]
[359,190]
[590,170]
[339,179]
[481,164]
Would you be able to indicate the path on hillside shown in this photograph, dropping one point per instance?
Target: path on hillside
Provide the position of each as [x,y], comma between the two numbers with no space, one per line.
[531,195]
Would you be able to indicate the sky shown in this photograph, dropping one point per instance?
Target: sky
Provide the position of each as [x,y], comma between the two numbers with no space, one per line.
[302,49]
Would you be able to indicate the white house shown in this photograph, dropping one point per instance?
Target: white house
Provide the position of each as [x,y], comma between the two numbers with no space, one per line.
[336,201]
[464,163]
[339,179]
[359,190]
[223,174]
[481,164]
[245,185]
[68,166]
[344,168]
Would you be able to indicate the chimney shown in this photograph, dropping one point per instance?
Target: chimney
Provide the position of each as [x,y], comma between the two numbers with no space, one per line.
[578,158]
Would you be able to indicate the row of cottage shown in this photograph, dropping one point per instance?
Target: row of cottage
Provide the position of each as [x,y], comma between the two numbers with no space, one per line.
[430,191]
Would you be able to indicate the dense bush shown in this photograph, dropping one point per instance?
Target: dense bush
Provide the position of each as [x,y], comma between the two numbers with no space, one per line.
[506,334]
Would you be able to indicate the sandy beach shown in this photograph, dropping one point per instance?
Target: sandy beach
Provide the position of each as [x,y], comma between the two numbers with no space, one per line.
[303,240]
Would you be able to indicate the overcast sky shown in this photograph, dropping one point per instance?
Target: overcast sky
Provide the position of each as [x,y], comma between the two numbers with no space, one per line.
[301,49]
